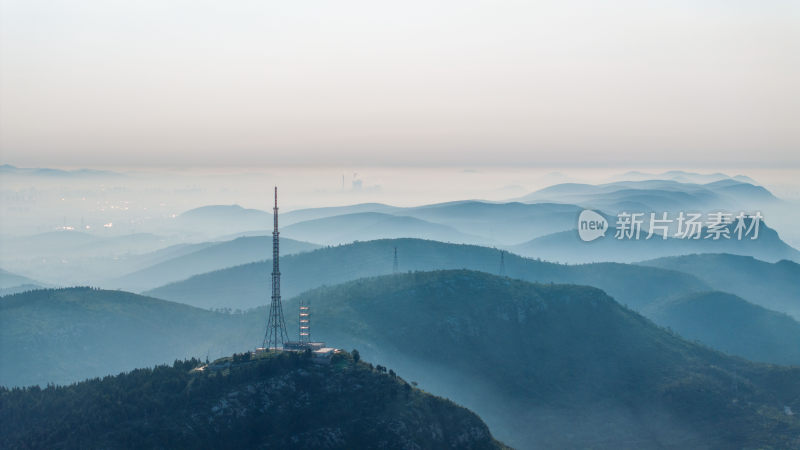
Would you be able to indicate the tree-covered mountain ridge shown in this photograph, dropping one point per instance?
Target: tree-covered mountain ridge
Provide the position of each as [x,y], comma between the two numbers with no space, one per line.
[273,400]
[246,286]
[558,366]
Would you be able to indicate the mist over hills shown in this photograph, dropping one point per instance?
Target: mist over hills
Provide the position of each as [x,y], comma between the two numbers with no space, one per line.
[663,196]
[69,257]
[534,229]
[72,257]
[682,177]
[302,215]
[73,242]
[223,219]
[507,223]
[774,286]
[566,246]
[657,195]
[8,279]
[731,324]
[207,258]
[247,286]
[66,335]
[253,403]
[557,366]
[9,170]
[535,361]
[51,241]
[80,313]
[19,288]
[11,283]
[546,228]
[163,254]
[552,365]
[469,221]
[329,226]
[75,258]
[370,226]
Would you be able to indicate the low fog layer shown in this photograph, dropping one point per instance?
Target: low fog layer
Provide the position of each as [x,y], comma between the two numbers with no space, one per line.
[68,227]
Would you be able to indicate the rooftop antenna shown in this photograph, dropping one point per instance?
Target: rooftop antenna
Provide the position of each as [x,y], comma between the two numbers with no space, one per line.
[395,267]
[275,336]
[502,263]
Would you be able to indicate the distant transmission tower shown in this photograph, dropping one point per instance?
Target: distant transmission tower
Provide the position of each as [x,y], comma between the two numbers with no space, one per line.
[276,327]
[502,263]
[395,266]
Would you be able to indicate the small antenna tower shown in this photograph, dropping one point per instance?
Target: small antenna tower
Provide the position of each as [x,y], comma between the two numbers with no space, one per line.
[275,336]
[305,322]
[502,263]
[395,267]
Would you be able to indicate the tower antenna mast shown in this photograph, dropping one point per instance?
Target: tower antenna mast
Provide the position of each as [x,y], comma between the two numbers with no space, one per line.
[275,336]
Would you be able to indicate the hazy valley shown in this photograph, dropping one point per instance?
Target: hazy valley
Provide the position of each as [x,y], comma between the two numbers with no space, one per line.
[671,343]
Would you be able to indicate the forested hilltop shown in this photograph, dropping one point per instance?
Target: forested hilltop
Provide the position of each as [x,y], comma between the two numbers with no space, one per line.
[544,365]
[277,400]
[558,366]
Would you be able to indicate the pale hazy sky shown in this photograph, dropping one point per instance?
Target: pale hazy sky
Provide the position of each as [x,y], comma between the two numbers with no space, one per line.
[110,82]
